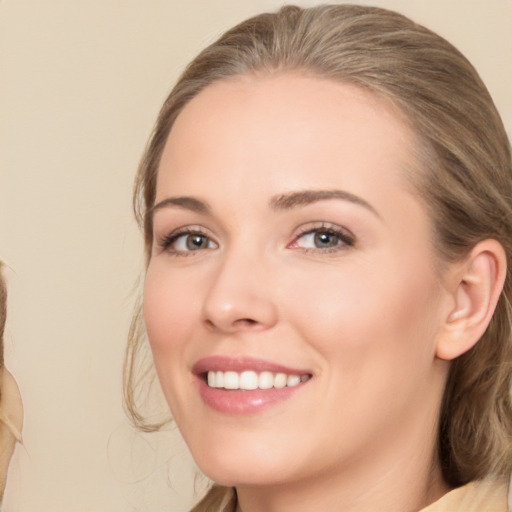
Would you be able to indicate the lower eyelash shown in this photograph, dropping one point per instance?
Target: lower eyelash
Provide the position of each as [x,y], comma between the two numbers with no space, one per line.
[166,241]
[347,240]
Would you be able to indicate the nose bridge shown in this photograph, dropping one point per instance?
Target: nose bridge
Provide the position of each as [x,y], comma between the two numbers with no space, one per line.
[240,292]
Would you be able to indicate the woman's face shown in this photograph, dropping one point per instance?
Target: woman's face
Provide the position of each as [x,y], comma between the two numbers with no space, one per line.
[290,255]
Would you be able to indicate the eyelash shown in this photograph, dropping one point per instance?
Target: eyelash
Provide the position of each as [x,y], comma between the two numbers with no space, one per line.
[166,242]
[345,239]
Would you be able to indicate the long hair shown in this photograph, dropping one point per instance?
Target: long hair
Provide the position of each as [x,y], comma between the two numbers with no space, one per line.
[465,181]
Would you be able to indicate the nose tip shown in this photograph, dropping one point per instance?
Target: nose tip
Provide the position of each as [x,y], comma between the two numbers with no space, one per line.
[236,304]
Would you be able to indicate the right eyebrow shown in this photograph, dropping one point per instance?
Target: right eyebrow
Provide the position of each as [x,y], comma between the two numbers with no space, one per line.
[306,197]
[183,202]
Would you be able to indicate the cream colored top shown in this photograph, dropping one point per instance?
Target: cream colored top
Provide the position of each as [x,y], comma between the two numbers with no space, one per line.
[478,496]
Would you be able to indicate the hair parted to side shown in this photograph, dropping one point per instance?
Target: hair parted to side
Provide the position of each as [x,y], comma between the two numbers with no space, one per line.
[466,182]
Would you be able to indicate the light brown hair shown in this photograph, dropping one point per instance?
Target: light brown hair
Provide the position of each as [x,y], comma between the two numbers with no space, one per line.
[465,182]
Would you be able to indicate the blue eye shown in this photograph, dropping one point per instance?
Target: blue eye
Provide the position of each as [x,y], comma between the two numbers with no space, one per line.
[187,241]
[319,240]
[323,238]
[192,242]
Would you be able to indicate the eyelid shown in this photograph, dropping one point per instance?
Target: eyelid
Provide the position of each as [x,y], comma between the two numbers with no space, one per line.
[348,239]
[164,242]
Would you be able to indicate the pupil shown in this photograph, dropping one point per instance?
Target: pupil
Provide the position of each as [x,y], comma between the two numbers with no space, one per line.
[196,242]
[325,240]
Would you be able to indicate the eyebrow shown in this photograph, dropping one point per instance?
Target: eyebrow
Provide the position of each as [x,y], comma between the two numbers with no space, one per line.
[184,202]
[281,202]
[306,197]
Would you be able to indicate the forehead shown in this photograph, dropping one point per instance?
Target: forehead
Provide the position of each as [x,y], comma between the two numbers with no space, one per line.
[283,125]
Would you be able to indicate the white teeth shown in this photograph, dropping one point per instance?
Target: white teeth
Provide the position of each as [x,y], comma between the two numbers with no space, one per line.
[293,380]
[266,380]
[231,380]
[249,380]
[280,380]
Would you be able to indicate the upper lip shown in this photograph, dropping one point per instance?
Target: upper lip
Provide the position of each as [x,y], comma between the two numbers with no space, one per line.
[241,364]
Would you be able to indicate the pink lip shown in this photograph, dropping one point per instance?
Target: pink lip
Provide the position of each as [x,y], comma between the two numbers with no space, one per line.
[240,364]
[238,402]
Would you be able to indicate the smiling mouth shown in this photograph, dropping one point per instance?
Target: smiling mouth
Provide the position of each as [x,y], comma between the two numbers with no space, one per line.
[251,380]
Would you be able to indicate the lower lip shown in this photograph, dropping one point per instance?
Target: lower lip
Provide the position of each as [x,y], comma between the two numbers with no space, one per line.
[244,402]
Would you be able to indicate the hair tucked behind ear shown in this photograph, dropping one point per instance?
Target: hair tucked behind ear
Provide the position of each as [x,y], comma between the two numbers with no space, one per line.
[465,178]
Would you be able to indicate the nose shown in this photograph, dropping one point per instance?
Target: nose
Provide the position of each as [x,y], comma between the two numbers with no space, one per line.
[240,296]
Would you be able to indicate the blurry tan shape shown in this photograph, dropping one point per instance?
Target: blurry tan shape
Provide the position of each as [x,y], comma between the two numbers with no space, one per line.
[11,407]
[11,421]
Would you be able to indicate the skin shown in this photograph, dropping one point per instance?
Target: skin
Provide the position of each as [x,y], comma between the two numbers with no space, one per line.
[364,318]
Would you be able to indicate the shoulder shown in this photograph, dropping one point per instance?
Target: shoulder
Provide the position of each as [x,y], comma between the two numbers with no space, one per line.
[487,495]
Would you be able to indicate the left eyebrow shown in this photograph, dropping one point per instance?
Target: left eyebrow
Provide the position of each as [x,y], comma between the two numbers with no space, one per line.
[183,202]
[306,197]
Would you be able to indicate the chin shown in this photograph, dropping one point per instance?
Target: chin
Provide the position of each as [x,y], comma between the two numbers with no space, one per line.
[236,477]
[231,468]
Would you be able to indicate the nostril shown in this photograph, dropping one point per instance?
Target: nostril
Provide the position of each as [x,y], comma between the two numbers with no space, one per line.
[246,321]
[239,323]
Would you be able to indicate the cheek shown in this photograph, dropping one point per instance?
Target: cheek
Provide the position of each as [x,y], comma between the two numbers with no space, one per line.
[381,308]
[169,307]
[375,333]
[171,312]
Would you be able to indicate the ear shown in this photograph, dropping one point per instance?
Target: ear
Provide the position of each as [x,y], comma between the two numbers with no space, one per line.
[477,285]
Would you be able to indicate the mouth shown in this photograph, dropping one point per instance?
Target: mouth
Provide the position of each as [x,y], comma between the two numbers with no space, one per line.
[246,385]
[251,380]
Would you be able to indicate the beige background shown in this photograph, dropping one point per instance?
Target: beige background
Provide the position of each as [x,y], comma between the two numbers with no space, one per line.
[80,85]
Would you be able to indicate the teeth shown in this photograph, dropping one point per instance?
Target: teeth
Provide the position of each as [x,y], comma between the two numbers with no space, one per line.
[231,380]
[292,380]
[266,380]
[280,380]
[249,380]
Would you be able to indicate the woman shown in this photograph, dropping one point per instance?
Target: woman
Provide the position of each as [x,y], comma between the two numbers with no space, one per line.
[327,218]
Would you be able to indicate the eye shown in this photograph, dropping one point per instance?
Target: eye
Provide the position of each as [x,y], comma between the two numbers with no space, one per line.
[324,238]
[186,241]
[192,242]
[319,240]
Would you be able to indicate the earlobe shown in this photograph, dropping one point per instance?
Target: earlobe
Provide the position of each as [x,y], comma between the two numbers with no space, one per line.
[478,285]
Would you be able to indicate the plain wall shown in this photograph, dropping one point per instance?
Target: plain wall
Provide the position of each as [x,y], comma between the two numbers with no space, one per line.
[80,85]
